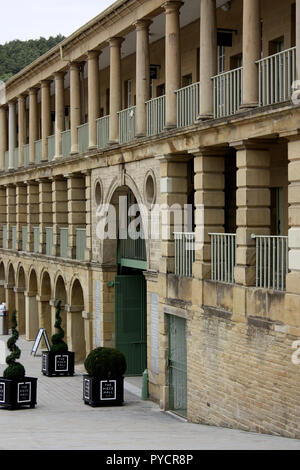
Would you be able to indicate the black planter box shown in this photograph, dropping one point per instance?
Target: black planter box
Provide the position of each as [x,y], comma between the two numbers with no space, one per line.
[57,364]
[103,392]
[15,394]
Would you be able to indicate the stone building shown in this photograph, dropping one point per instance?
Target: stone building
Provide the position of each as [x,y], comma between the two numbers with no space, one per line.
[165,103]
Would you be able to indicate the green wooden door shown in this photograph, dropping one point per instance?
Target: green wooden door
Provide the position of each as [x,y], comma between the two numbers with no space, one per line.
[177,365]
[131,322]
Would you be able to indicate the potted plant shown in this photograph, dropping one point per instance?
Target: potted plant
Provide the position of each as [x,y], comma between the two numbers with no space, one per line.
[59,360]
[104,384]
[16,390]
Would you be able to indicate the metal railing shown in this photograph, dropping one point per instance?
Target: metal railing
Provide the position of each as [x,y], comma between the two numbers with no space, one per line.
[83,137]
[80,244]
[24,237]
[26,155]
[6,160]
[16,158]
[14,237]
[38,151]
[276,75]
[228,92]
[66,143]
[64,242]
[133,249]
[51,147]
[188,104]
[156,115]
[271,261]
[36,239]
[102,132]
[127,125]
[4,237]
[223,257]
[49,241]
[184,253]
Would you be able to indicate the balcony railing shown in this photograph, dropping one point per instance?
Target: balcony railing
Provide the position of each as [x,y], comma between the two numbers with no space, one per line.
[223,257]
[6,160]
[24,237]
[49,240]
[80,244]
[66,143]
[51,147]
[102,132]
[38,151]
[64,242]
[188,104]
[14,237]
[16,158]
[26,155]
[36,239]
[271,261]
[133,249]
[228,92]
[127,125]
[184,253]
[4,237]
[83,137]
[276,75]
[156,115]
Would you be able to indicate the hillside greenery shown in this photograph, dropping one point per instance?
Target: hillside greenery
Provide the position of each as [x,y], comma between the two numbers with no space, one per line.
[15,55]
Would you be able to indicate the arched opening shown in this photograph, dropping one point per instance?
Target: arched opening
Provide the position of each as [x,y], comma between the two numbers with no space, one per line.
[60,293]
[2,282]
[32,314]
[10,292]
[20,300]
[44,305]
[75,323]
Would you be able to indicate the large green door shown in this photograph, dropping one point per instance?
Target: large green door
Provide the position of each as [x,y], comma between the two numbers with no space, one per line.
[131,321]
[177,365]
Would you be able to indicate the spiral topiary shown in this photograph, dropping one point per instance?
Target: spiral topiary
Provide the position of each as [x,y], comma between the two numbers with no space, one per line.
[105,363]
[59,346]
[15,370]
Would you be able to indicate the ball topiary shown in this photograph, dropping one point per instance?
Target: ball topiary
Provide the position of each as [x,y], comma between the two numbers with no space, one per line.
[59,346]
[15,370]
[105,363]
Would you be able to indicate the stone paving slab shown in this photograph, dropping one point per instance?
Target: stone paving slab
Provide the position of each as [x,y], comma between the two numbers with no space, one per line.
[61,421]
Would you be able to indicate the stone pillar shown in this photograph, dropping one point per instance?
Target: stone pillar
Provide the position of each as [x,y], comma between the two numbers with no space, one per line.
[44,314]
[10,212]
[60,211]
[209,185]
[10,299]
[45,211]
[115,88]
[142,75]
[253,206]
[12,133]
[88,215]
[75,104]
[3,136]
[31,316]
[297,39]
[46,117]
[59,112]
[251,52]
[208,56]
[20,307]
[33,123]
[76,209]
[173,197]
[2,212]
[173,60]
[32,213]
[22,127]
[93,96]
[21,211]
[76,331]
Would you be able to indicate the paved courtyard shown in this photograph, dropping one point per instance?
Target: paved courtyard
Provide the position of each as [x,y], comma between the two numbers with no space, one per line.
[62,421]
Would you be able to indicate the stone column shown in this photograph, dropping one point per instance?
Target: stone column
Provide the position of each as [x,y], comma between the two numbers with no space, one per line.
[60,211]
[173,197]
[75,104]
[115,88]
[76,331]
[20,307]
[33,123]
[2,213]
[32,213]
[208,56]
[209,185]
[76,209]
[253,206]
[46,117]
[88,215]
[31,316]
[173,60]
[3,136]
[251,52]
[10,212]
[45,211]
[93,96]
[21,211]
[142,75]
[44,313]
[59,112]
[22,127]
[12,133]
[297,39]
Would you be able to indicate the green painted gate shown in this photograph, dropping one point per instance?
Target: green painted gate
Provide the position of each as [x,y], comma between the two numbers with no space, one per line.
[131,321]
[177,365]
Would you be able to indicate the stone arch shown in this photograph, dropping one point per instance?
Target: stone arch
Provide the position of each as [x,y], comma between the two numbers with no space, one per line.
[2,281]
[20,299]
[32,311]
[60,293]
[44,303]
[75,322]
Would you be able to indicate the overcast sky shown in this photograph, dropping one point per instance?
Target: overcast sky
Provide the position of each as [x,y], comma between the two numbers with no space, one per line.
[31,19]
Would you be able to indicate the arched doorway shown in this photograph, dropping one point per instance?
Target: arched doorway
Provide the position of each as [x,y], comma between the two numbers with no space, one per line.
[32,314]
[10,292]
[20,300]
[75,322]
[44,304]
[60,293]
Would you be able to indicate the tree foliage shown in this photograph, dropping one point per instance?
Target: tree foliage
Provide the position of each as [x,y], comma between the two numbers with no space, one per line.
[15,55]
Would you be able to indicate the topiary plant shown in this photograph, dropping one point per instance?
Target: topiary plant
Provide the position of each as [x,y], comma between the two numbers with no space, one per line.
[105,363]
[59,346]
[15,370]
